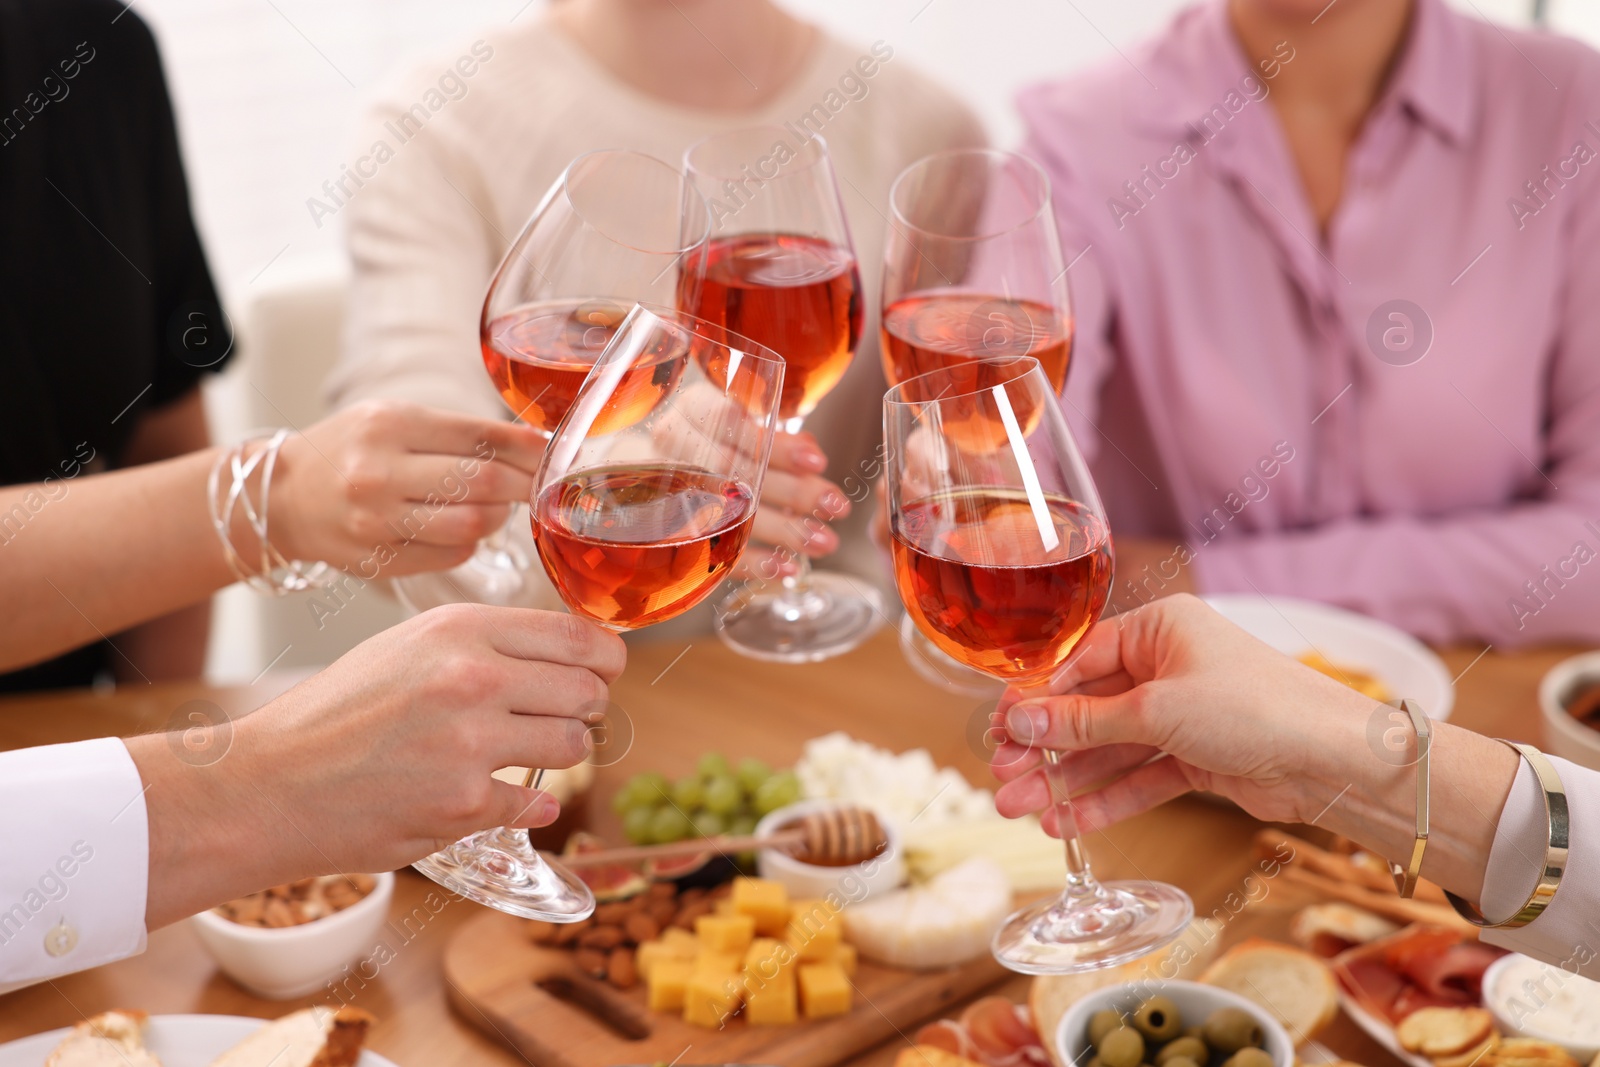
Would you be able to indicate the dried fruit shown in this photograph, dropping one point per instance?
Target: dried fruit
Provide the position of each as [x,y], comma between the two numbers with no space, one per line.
[621,969]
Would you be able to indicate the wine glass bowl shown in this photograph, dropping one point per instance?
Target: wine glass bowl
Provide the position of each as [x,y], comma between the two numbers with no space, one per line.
[1003,559]
[972,266]
[647,493]
[615,228]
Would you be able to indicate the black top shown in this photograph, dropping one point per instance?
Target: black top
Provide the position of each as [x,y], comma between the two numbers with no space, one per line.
[107,310]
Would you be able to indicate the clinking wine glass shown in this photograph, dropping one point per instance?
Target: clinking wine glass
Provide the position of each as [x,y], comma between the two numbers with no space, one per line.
[972,269]
[779,268]
[643,503]
[1003,558]
[616,227]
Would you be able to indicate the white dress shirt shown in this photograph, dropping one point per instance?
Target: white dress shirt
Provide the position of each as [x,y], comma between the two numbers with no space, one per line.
[75,868]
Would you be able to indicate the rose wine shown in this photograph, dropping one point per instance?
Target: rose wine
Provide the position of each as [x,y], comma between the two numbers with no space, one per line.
[1004,585]
[931,331]
[629,546]
[538,356]
[799,296]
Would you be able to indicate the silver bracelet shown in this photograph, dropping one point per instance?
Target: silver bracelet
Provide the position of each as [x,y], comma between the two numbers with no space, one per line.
[275,574]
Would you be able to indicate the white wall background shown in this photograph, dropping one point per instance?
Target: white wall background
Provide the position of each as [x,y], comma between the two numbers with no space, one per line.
[267,91]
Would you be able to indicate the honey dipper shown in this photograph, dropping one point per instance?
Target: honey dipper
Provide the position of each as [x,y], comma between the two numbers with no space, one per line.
[836,837]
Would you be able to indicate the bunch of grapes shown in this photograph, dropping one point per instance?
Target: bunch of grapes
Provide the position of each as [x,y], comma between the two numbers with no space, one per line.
[716,799]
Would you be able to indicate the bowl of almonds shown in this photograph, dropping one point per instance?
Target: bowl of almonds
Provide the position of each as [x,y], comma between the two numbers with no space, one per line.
[293,939]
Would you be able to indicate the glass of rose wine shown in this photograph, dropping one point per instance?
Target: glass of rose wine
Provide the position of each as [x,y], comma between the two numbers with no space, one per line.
[616,227]
[971,270]
[1003,559]
[972,266]
[779,268]
[643,502]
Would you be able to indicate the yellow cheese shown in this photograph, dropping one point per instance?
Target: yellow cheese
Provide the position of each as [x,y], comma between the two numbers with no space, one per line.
[710,961]
[652,952]
[774,1003]
[843,955]
[767,959]
[765,902]
[814,928]
[709,1000]
[726,933]
[681,940]
[824,990]
[667,981]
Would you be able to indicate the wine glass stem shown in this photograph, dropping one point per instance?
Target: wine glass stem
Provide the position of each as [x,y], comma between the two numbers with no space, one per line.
[1079,877]
[532,779]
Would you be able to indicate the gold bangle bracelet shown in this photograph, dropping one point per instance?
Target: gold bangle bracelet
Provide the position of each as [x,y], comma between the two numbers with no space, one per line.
[1555,856]
[1405,878]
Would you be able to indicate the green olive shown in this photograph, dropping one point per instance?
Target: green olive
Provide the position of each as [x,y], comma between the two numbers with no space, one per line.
[1094,1061]
[1102,1023]
[1250,1057]
[1196,1030]
[1158,1019]
[1230,1029]
[1181,1061]
[1122,1047]
[1184,1048]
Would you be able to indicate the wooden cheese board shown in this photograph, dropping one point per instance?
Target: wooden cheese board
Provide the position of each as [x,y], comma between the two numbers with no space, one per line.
[533,999]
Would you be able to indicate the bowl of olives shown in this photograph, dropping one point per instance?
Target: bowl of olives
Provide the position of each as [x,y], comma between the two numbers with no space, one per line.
[1170,1024]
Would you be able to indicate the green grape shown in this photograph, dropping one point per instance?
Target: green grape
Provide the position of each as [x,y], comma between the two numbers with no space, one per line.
[752,772]
[778,791]
[638,825]
[687,792]
[722,795]
[742,825]
[653,787]
[709,824]
[669,824]
[712,765]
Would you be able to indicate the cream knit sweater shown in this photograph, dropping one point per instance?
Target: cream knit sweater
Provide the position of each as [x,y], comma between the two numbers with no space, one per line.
[453,158]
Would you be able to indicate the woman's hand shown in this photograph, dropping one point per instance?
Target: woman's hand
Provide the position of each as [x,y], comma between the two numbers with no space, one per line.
[398,488]
[1172,697]
[380,759]
[797,504]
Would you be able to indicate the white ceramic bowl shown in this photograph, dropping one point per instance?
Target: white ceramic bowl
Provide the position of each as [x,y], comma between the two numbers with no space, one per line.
[1292,626]
[1194,1001]
[1565,736]
[292,961]
[808,881]
[1526,1023]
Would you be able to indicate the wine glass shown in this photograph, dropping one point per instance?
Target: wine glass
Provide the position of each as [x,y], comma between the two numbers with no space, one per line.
[643,502]
[971,270]
[616,227]
[1003,558]
[780,269]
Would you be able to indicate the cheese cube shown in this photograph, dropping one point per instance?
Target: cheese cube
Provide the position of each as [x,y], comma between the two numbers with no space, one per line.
[765,902]
[814,929]
[666,948]
[723,907]
[930,1056]
[726,933]
[844,957]
[824,990]
[772,1004]
[710,961]
[768,959]
[681,940]
[667,981]
[710,999]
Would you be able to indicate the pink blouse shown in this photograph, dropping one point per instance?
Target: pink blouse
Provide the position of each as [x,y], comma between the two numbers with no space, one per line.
[1402,418]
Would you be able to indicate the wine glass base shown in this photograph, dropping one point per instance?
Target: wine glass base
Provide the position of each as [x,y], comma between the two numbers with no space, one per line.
[934,665]
[830,617]
[1131,920]
[500,869]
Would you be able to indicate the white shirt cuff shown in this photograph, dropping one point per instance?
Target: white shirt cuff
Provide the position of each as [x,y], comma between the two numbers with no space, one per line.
[1564,933]
[76,866]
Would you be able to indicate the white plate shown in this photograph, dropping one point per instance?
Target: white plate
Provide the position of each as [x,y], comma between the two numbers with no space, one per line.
[177,1040]
[1293,627]
[1377,1029]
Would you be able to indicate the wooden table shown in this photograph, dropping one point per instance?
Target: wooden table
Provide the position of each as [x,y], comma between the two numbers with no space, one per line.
[685,699]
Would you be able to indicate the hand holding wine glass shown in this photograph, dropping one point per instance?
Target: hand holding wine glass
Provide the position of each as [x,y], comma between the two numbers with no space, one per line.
[1002,557]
